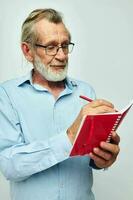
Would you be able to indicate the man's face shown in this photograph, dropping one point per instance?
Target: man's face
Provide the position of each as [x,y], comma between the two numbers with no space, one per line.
[51,67]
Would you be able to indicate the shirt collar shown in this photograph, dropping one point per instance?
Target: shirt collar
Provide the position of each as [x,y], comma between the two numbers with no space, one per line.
[70,83]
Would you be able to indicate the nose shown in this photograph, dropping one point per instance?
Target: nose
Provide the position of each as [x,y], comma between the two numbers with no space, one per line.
[60,55]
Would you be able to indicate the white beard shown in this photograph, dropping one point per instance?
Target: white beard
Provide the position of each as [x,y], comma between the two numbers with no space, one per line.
[47,71]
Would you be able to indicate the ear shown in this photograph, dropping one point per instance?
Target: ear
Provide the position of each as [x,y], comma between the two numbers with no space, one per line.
[28,53]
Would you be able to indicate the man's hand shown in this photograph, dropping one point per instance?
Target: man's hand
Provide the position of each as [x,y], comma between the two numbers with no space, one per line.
[95,107]
[106,154]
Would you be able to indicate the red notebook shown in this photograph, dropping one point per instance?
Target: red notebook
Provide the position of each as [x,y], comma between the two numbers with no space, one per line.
[97,128]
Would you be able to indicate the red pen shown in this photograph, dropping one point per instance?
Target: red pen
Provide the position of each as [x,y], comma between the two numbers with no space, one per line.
[86,98]
[90,100]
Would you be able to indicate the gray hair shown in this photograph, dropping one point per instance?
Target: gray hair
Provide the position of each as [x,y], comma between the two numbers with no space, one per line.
[29,34]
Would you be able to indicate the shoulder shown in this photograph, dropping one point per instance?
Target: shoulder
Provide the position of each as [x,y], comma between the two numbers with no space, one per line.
[11,87]
[13,83]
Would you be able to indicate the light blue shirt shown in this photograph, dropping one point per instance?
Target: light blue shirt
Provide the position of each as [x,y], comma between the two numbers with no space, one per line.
[34,146]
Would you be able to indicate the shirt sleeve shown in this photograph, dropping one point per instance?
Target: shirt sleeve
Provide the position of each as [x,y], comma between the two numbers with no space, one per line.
[93,165]
[19,160]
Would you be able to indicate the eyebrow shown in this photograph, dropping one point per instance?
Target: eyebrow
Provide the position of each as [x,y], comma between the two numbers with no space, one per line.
[53,42]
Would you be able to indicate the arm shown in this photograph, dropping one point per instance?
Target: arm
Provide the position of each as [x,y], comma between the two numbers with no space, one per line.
[18,159]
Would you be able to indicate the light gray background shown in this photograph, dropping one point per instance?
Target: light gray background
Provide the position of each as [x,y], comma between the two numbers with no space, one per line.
[103,34]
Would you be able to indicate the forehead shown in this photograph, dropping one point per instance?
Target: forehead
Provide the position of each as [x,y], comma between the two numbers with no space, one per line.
[50,31]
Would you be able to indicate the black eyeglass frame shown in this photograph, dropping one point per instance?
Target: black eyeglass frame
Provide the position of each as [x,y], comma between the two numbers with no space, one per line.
[57,48]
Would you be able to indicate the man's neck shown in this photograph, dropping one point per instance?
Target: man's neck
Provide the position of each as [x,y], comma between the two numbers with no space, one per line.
[53,87]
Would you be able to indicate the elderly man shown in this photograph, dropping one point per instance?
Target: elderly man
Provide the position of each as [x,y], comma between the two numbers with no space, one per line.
[40,114]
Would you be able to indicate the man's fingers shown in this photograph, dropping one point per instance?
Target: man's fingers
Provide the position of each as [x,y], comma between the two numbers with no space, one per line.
[115,138]
[101,102]
[112,148]
[102,154]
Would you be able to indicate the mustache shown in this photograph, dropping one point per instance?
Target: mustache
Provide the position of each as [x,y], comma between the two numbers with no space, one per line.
[59,65]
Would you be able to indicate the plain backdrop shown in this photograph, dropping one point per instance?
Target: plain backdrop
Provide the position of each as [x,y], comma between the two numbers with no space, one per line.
[102,31]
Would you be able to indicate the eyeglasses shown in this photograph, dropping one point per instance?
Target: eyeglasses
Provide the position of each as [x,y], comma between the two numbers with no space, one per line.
[52,50]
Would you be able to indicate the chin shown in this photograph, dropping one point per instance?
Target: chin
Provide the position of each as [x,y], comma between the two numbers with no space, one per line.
[56,76]
[56,79]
